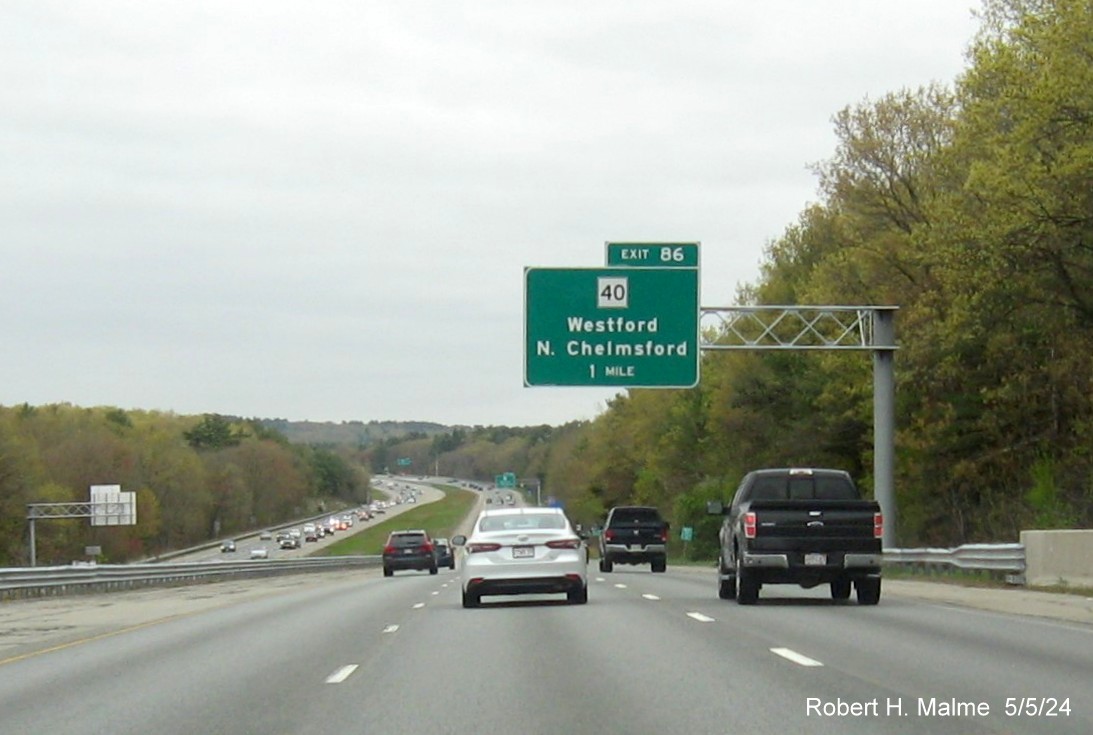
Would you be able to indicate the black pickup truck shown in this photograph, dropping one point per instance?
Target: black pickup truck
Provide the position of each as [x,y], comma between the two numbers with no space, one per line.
[634,534]
[799,526]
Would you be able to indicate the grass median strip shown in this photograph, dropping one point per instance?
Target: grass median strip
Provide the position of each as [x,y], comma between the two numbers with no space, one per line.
[438,518]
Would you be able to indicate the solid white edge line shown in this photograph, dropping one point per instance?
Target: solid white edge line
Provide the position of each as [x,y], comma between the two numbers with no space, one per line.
[700,617]
[341,674]
[797,658]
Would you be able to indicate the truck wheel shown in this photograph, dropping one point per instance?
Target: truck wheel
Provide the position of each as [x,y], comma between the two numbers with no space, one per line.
[868,589]
[606,565]
[578,596]
[659,565]
[747,588]
[387,572]
[470,599]
[726,588]
[840,589]
[433,569]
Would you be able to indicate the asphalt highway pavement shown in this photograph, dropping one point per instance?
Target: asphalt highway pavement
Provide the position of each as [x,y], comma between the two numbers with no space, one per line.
[649,653]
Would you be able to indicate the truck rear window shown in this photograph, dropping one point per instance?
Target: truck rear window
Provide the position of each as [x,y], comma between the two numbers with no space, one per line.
[636,515]
[803,488]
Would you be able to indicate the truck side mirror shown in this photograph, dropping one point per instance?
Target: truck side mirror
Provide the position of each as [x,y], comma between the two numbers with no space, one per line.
[714,508]
[459,540]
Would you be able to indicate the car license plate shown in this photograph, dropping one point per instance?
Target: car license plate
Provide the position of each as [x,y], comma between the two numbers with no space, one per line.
[408,551]
[523,552]
[815,560]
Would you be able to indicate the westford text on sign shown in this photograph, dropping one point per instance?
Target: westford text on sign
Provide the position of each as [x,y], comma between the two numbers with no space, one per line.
[627,327]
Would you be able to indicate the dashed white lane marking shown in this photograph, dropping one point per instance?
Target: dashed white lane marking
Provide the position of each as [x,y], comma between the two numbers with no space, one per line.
[390,629]
[620,586]
[650,597]
[600,579]
[795,657]
[341,674]
[419,605]
[437,592]
[700,617]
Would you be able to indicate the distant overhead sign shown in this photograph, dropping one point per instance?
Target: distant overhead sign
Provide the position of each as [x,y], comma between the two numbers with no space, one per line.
[112,507]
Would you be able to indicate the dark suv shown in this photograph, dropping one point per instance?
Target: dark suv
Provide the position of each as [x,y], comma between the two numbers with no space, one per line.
[409,550]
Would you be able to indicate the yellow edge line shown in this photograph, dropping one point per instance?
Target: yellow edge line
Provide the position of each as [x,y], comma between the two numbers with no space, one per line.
[97,637]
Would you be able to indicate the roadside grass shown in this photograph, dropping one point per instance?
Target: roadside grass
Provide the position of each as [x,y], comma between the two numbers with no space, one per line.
[973,578]
[439,519]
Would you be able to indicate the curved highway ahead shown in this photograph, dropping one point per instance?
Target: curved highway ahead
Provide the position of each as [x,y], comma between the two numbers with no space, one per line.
[353,653]
[427,493]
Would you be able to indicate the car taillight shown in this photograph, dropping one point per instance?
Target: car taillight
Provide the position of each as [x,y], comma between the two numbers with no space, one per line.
[566,543]
[428,547]
[664,535]
[749,525]
[609,535]
[878,525]
[479,547]
[388,549]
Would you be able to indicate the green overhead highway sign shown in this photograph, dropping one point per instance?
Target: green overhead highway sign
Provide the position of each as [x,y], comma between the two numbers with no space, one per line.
[652,255]
[626,327]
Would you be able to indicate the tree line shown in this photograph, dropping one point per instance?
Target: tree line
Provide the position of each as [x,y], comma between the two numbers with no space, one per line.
[195,478]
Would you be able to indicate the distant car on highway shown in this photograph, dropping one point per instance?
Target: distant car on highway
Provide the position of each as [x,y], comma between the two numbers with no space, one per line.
[259,553]
[227,546]
[290,542]
[266,535]
[517,551]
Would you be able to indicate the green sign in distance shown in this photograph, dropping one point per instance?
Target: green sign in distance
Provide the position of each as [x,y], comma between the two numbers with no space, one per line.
[507,479]
[611,327]
[403,462]
[652,255]
[687,533]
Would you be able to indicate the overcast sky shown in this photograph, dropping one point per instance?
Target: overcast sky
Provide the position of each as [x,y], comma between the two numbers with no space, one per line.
[322,210]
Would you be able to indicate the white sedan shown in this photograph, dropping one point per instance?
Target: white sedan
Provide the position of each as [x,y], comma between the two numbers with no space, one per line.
[519,551]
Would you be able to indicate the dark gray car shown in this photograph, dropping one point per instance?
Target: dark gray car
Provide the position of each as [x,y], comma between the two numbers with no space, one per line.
[445,555]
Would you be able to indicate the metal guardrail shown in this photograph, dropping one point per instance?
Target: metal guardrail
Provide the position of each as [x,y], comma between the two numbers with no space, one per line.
[1003,558]
[53,581]
[50,581]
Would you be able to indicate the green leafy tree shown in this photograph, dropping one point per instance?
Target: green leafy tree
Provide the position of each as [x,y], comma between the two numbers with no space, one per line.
[213,432]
